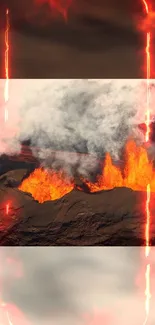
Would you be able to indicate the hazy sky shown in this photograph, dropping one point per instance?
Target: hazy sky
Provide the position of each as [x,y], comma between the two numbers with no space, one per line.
[61,285]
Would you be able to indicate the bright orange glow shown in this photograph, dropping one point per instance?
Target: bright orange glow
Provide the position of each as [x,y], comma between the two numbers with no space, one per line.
[6,89]
[46,186]
[137,173]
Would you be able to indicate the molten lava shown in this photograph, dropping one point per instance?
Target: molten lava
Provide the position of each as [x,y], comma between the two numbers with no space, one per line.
[137,173]
[45,186]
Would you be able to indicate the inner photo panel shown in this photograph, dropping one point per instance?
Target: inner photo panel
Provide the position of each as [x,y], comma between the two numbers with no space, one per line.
[77,162]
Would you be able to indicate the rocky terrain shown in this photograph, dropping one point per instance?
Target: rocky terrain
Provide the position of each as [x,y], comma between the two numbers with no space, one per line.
[114,217]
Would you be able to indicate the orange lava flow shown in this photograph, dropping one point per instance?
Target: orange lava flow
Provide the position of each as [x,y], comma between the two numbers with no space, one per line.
[45,186]
[137,173]
[6,89]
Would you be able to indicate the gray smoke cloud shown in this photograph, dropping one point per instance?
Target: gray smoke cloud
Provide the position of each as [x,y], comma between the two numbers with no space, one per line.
[60,286]
[88,116]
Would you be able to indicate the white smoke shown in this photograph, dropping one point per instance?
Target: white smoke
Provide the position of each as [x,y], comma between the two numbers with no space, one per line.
[90,116]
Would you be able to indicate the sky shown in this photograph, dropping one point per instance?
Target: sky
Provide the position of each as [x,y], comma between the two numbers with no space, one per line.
[63,285]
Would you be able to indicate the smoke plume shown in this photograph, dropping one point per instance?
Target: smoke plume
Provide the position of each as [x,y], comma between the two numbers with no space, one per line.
[86,116]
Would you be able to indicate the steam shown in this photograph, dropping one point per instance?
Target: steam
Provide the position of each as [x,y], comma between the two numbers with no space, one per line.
[86,116]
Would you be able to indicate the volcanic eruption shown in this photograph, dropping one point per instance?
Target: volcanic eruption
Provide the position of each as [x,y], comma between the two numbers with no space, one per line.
[82,168]
[45,186]
[136,173]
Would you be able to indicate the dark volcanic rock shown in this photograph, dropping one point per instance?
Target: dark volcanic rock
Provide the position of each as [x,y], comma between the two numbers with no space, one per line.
[13,178]
[114,217]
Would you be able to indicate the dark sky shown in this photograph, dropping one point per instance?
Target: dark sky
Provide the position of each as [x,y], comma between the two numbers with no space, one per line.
[100,40]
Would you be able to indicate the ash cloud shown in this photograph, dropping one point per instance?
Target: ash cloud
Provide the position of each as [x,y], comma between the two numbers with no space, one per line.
[86,116]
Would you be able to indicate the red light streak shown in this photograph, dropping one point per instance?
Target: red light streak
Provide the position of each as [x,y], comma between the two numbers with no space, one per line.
[7,208]
[6,89]
[146,6]
[60,6]
[147,136]
[148,39]
[147,228]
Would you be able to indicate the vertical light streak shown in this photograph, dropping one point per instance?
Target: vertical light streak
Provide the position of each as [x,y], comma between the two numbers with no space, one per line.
[6,88]
[7,208]
[147,137]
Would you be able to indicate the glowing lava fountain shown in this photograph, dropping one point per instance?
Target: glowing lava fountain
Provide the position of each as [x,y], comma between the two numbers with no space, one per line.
[138,171]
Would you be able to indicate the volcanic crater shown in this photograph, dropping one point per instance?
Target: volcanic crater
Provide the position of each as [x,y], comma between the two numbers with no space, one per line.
[48,207]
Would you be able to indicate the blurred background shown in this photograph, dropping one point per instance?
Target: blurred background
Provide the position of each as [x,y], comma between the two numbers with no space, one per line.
[115,11]
[74,38]
[84,286]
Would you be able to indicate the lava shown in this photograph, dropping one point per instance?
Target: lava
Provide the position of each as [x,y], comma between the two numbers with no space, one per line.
[45,186]
[137,173]
[6,89]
